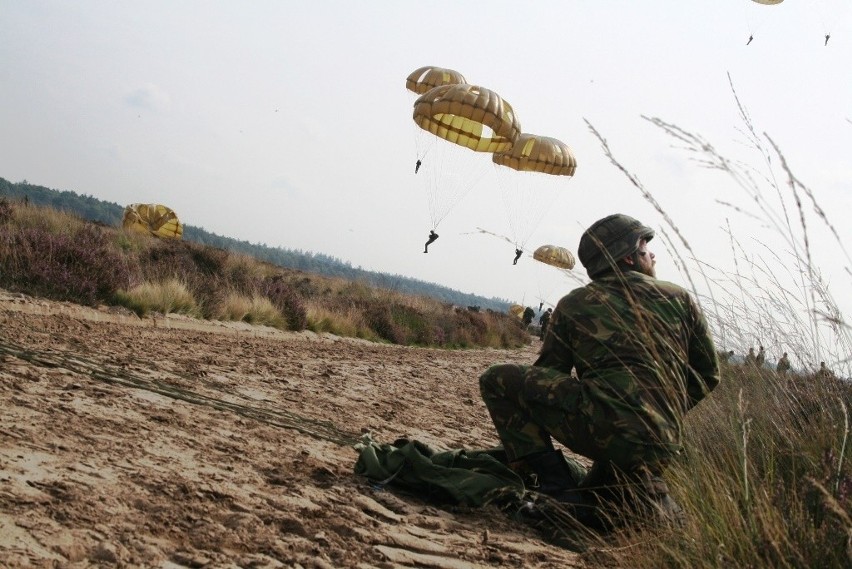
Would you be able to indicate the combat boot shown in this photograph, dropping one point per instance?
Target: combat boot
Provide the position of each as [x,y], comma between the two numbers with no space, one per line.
[640,494]
[546,472]
[549,474]
[653,501]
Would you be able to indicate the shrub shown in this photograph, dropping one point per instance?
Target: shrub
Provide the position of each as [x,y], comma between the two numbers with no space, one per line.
[380,319]
[6,211]
[287,301]
[80,267]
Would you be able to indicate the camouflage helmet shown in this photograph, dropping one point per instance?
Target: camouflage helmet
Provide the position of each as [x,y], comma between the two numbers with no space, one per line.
[610,239]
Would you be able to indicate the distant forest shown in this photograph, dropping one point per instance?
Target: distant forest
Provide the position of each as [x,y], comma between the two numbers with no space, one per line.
[109,213]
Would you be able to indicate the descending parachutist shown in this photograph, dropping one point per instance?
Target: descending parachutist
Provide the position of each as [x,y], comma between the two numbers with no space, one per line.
[827,36]
[518,253]
[540,305]
[432,237]
[749,39]
[417,165]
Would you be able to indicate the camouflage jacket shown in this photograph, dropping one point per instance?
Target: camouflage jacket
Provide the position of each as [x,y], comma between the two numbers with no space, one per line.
[642,352]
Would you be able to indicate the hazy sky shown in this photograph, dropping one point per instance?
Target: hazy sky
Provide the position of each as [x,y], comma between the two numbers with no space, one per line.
[288,123]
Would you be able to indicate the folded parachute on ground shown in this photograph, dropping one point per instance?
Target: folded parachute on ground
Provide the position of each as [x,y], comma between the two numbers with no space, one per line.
[152,219]
[555,256]
[468,115]
[426,78]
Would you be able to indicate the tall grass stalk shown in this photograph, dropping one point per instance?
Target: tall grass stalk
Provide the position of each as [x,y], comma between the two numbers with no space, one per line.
[763,477]
[842,447]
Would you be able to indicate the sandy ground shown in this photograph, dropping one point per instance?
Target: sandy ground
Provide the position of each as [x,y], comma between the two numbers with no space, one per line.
[169,442]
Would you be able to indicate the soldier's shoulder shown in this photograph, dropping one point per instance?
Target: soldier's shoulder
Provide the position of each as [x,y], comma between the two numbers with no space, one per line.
[579,294]
[665,287]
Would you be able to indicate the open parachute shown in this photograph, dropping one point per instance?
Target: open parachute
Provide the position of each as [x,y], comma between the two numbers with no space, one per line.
[555,256]
[426,78]
[152,219]
[468,115]
[533,153]
[451,121]
[530,174]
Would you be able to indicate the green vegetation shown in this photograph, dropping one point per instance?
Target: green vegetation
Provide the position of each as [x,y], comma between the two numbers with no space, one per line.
[45,252]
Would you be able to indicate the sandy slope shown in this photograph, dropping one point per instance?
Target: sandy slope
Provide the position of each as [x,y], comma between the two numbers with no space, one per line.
[174,443]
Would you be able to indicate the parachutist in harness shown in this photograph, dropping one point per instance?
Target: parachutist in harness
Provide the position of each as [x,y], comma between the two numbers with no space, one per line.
[432,237]
[540,306]
[749,39]
[417,165]
[518,253]
[827,36]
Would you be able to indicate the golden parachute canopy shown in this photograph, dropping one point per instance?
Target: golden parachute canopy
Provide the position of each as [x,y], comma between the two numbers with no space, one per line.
[152,219]
[468,115]
[768,2]
[555,256]
[426,78]
[517,310]
[533,153]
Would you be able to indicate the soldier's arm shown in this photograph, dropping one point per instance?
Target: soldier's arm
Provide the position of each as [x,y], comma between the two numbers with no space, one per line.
[703,366]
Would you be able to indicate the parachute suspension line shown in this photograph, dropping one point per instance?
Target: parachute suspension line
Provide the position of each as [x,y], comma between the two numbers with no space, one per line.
[169,387]
[423,142]
[448,176]
[527,198]
[818,8]
[756,14]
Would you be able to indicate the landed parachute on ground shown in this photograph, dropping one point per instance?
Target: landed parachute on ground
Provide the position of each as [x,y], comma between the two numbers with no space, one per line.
[530,175]
[152,219]
[426,78]
[555,256]
[517,310]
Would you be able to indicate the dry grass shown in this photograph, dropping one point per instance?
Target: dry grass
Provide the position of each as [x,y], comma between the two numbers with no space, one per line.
[165,297]
[253,309]
[48,253]
[765,477]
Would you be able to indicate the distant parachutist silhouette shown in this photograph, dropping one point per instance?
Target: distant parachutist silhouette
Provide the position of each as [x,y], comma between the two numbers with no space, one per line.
[417,165]
[432,237]
[518,253]
[827,37]
[749,39]
[540,306]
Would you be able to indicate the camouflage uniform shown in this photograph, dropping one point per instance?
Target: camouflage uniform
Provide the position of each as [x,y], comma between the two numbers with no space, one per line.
[643,357]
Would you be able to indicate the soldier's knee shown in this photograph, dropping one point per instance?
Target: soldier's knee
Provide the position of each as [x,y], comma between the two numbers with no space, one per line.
[488,381]
[493,380]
